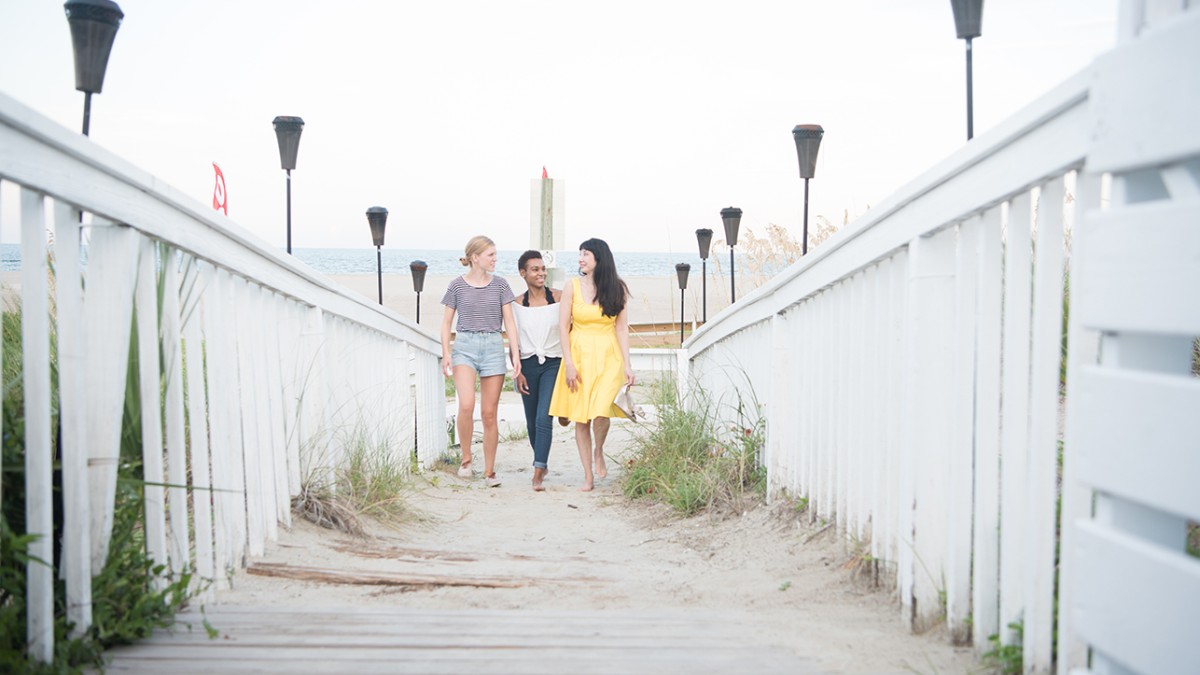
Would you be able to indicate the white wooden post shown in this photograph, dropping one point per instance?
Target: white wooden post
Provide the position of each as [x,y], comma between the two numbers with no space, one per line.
[962,441]
[272,315]
[72,345]
[985,589]
[931,284]
[39,454]
[841,417]
[1015,432]
[878,441]
[151,410]
[256,533]
[1083,348]
[177,499]
[198,436]
[898,411]
[108,313]
[858,412]
[1037,642]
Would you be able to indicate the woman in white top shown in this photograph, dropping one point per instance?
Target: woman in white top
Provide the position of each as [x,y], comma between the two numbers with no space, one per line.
[541,356]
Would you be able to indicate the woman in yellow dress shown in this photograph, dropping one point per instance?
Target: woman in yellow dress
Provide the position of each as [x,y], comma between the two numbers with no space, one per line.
[593,320]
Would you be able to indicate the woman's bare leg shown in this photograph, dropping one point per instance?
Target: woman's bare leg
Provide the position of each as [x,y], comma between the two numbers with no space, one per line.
[489,390]
[583,439]
[600,425]
[464,386]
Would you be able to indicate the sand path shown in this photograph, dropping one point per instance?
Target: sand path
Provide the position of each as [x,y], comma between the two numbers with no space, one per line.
[566,550]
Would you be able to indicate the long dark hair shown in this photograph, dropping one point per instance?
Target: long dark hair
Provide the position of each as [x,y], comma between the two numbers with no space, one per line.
[610,289]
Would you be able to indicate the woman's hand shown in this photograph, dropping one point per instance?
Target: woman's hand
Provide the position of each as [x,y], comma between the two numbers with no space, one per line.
[573,378]
[629,378]
[521,384]
[517,369]
[447,365]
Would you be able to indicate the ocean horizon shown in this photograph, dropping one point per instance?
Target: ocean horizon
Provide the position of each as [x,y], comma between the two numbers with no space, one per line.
[442,262]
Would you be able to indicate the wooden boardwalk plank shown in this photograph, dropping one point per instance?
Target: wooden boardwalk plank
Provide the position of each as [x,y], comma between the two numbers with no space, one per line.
[403,640]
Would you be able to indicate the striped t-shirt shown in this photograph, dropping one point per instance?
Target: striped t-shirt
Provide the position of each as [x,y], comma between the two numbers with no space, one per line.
[478,308]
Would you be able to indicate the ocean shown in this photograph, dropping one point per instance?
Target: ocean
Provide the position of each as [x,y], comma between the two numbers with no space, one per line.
[336,261]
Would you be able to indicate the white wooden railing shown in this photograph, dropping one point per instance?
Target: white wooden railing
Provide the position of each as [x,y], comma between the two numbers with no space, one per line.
[908,370]
[275,365]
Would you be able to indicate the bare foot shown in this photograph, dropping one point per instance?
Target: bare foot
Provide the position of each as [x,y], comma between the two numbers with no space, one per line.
[538,475]
[601,469]
[586,487]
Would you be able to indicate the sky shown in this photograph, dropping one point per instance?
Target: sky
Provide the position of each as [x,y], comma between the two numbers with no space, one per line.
[656,114]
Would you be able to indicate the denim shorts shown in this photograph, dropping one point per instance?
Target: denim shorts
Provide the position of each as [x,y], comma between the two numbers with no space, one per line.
[482,351]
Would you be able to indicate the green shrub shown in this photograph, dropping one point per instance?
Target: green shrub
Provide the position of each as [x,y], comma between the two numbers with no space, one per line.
[126,605]
[685,461]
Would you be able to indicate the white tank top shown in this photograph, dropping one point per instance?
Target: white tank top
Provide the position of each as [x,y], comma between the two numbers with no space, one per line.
[538,329]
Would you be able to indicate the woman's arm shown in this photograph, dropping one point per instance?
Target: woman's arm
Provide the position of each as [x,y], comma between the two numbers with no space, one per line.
[447,322]
[623,341]
[564,337]
[514,345]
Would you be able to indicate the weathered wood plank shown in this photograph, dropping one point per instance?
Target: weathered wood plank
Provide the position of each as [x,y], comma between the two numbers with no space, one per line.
[368,640]
[370,578]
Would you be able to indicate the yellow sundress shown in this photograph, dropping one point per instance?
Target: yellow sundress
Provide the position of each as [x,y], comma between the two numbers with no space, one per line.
[598,360]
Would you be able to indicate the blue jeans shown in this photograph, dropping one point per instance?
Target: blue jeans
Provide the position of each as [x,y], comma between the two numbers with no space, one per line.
[540,377]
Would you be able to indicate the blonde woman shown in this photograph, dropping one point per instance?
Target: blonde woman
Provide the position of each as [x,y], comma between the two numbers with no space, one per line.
[483,303]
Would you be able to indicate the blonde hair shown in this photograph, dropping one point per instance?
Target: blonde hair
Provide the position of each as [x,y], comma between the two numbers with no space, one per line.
[476,246]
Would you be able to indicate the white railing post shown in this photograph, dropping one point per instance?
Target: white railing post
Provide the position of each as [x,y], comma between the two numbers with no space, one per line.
[1014,435]
[108,313]
[177,499]
[962,441]
[149,374]
[1045,362]
[985,588]
[932,332]
[198,436]
[39,453]
[72,347]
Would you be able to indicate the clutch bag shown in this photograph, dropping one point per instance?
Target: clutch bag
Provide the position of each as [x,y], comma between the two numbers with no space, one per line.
[624,401]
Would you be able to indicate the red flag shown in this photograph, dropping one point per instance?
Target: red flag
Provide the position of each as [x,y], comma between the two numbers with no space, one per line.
[220,198]
[544,174]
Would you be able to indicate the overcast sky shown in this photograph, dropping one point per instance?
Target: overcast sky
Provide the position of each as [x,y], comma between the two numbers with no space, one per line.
[656,114]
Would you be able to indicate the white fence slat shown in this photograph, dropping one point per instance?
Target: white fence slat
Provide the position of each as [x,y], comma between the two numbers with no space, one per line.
[810,379]
[177,498]
[841,399]
[1045,362]
[72,348]
[1015,413]
[1082,349]
[108,313]
[1163,593]
[778,400]
[198,435]
[290,361]
[264,448]
[962,441]
[247,344]
[1133,253]
[1157,415]
[985,587]
[829,386]
[899,513]
[931,286]
[275,399]
[1124,98]
[314,422]
[879,403]
[39,454]
[859,419]
[151,410]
